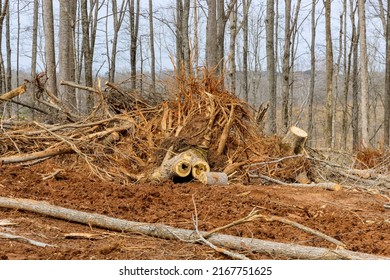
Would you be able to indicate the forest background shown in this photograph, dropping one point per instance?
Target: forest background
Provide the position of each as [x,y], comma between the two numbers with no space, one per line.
[321,65]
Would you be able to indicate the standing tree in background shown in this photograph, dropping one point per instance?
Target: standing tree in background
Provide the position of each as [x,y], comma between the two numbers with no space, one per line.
[134,28]
[329,77]
[8,80]
[89,16]
[354,79]
[118,17]
[286,65]
[363,74]
[271,75]
[245,28]
[50,57]
[387,79]
[215,33]
[211,36]
[152,52]
[67,55]
[3,13]
[312,67]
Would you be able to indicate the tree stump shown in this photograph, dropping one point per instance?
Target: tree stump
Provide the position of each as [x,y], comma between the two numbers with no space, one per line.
[294,141]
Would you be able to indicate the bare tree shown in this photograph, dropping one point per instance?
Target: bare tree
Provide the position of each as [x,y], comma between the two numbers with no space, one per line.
[8,83]
[245,27]
[329,77]
[354,79]
[134,28]
[215,33]
[286,64]
[364,73]
[66,61]
[312,66]
[48,26]
[387,79]
[118,17]
[152,52]
[271,75]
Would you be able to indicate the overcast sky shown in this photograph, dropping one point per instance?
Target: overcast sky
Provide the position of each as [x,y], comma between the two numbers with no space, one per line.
[164,38]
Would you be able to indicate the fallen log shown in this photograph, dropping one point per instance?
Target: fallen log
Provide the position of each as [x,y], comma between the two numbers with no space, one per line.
[324,185]
[167,232]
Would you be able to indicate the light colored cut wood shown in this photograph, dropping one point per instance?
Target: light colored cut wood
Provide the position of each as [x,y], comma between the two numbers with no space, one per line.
[294,141]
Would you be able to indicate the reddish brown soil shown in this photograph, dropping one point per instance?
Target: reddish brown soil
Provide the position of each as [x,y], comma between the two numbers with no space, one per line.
[357,218]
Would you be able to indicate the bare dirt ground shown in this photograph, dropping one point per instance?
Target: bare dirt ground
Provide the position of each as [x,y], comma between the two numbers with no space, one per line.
[357,218]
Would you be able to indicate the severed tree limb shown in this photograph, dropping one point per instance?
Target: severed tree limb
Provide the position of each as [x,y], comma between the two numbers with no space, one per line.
[168,232]
[13,93]
[74,85]
[36,155]
[326,185]
[24,239]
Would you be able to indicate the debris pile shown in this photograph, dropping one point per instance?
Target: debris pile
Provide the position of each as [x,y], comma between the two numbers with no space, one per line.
[200,131]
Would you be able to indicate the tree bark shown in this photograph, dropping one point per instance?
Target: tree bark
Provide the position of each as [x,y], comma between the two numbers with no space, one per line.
[152,51]
[134,27]
[387,80]
[48,26]
[271,74]
[66,63]
[364,74]
[312,67]
[286,64]
[329,77]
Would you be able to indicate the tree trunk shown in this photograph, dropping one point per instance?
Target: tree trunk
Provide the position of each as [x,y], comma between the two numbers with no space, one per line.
[134,24]
[117,22]
[195,55]
[211,36]
[67,65]
[271,75]
[364,74]
[185,37]
[286,64]
[354,81]
[232,50]
[347,74]
[387,81]
[48,26]
[312,67]
[152,52]
[329,77]
[245,26]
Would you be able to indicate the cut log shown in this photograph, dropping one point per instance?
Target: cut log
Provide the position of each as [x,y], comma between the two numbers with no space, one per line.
[177,166]
[294,141]
[198,161]
[192,161]
[213,178]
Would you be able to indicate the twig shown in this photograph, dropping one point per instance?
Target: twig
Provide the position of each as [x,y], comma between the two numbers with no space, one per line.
[255,214]
[24,239]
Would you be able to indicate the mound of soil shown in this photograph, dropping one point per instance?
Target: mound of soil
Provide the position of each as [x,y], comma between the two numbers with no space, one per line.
[357,218]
